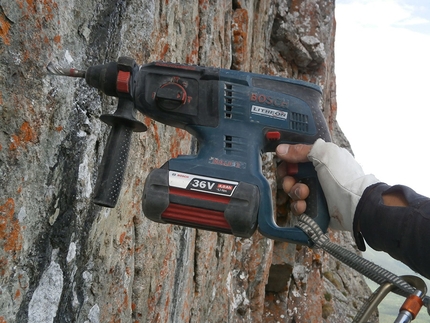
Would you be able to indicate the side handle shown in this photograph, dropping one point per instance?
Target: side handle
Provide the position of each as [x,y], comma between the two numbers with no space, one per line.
[114,162]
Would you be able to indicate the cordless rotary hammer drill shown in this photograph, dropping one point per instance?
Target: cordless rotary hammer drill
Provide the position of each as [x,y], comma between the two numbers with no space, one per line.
[235,117]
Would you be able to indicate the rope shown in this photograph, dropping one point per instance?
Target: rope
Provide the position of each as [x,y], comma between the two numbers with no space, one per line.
[365,267]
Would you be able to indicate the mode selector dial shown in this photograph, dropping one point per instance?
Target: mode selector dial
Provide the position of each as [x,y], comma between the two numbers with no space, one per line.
[170,96]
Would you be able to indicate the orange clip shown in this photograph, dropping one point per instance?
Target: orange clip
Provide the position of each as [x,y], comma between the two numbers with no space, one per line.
[413,305]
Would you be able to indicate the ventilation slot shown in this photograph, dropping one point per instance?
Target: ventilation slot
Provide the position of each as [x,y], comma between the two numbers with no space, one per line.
[228,100]
[299,122]
[228,141]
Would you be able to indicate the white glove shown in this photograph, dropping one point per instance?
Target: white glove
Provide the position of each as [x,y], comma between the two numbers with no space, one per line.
[342,180]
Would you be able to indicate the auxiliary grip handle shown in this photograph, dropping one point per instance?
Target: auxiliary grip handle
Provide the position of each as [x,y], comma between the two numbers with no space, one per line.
[115,155]
[112,167]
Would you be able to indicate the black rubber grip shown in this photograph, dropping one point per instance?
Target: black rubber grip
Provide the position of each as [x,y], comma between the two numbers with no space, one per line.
[113,166]
[316,204]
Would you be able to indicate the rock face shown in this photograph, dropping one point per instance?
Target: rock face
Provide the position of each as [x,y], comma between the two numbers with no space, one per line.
[63,259]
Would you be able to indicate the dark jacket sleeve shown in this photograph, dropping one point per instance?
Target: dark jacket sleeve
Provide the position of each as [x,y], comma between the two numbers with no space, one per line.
[402,232]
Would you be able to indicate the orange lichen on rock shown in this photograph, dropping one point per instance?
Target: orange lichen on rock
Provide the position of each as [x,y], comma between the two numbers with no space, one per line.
[17,294]
[10,230]
[240,37]
[25,135]
[157,136]
[15,143]
[164,51]
[122,237]
[192,58]
[175,144]
[147,121]
[3,266]
[45,8]
[57,38]
[4,29]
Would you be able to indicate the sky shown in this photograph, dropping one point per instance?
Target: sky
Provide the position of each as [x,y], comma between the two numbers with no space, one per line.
[382,70]
[382,53]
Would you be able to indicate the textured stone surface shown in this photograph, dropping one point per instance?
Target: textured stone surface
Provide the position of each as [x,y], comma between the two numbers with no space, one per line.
[63,259]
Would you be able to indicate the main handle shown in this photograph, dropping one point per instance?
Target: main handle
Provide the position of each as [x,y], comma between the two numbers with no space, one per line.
[316,204]
[316,208]
[115,156]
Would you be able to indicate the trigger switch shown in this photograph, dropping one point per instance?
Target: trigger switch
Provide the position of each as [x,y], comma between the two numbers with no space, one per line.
[273,135]
[170,96]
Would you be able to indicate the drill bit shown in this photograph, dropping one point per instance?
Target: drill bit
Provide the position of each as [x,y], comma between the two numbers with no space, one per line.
[57,70]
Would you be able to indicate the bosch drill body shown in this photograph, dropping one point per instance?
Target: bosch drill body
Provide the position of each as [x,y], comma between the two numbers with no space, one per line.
[235,117]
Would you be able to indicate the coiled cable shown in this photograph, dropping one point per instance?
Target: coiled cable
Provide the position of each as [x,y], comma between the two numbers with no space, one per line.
[367,268]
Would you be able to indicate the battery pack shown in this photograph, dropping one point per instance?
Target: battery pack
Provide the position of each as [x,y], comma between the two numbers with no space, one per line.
[201,202]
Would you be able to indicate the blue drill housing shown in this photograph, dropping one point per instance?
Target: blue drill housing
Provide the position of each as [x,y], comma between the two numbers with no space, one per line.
[249,114]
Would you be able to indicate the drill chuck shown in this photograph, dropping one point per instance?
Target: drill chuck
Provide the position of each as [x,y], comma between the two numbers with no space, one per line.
[103,77]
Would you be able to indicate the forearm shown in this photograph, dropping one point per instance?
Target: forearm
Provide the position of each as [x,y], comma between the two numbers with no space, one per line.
[395,198]
[395,220]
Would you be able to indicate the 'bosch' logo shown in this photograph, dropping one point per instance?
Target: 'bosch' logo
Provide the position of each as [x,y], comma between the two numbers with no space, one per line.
[261,98]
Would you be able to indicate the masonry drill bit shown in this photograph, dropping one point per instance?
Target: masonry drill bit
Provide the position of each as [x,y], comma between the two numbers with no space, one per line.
[57,70]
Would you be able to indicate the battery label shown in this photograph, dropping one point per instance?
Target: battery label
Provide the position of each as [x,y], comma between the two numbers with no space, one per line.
[270,113]
[202,184]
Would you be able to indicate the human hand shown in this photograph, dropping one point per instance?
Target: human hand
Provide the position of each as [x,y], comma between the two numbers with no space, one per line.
[298,192]
[342,179]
